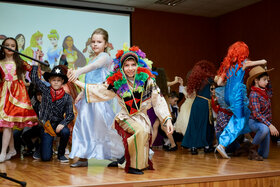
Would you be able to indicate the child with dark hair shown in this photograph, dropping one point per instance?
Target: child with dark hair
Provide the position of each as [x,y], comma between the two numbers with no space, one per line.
[261,116]
[56,108]
[15,105]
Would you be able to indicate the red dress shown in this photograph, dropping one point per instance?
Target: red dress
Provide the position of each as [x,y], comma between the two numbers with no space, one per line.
[15,105]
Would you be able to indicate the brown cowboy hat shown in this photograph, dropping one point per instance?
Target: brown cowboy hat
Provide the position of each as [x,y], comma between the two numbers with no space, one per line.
[254,73]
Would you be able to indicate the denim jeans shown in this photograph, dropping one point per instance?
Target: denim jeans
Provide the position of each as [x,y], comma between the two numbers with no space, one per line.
[47,143]
[261,138]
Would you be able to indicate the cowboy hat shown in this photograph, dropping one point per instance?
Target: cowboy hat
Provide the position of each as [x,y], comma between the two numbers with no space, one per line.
[254,73]
[57,71]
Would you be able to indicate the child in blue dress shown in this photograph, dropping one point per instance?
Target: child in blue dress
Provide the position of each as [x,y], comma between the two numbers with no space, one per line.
[93,136]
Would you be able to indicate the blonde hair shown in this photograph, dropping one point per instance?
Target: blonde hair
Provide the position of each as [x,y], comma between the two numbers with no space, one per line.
[33,42]
[53,34]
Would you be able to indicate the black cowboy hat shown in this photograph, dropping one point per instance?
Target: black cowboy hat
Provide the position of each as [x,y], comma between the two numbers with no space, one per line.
[57,71]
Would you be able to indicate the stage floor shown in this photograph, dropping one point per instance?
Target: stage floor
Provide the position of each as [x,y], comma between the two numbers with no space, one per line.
[171,168]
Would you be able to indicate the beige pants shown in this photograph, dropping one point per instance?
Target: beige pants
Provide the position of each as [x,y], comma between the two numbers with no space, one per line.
[138,143]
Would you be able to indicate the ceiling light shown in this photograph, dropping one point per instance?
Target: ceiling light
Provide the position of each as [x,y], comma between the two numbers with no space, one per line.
[169,2]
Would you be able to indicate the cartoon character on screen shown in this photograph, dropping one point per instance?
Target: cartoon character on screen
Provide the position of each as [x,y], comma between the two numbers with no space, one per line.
[15,106]
[2,38]
[55,51]
[133,84]
[36,43]
[88,52]
[74,57]
[21,42]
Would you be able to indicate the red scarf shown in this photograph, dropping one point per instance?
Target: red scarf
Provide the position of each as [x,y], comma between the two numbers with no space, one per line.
[260,91]
[57,94]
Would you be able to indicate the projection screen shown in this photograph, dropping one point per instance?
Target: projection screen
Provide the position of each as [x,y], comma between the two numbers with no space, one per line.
[25,20]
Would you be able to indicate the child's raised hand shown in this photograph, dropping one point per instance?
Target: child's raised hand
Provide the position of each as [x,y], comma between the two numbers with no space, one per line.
[273,130]
[71,74]
[39,55]
[180,80]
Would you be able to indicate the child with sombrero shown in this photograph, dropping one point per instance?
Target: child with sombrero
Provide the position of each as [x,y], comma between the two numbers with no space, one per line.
[261,117]
[57,109]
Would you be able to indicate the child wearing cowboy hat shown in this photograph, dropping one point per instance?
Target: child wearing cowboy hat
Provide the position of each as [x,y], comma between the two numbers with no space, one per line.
[261,116]
[56,107]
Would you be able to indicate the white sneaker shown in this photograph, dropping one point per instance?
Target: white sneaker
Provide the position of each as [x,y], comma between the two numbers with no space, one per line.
[222,151]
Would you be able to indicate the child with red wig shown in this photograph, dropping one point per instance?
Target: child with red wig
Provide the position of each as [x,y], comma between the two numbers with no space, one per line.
[200,131]
[232,71]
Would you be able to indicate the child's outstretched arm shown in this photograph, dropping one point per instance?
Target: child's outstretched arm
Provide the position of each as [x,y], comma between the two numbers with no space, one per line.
[96,92]
[176,80]
[99,62]
[79,83]
[250,63]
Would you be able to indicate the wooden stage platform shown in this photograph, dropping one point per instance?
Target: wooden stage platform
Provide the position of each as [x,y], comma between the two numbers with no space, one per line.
[178,168]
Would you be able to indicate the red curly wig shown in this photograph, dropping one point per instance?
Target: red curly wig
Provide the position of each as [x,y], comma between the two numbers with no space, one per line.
[201,71]
[237,53]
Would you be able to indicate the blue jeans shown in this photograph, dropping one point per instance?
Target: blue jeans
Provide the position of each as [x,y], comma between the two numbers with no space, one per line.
[261,138]
[47,143]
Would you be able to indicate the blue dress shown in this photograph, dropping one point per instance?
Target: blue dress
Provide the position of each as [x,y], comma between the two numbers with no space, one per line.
[53,56]
[93,136]
[236,100]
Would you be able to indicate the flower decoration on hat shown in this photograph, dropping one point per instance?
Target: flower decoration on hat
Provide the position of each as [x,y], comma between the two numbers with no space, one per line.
[117,79]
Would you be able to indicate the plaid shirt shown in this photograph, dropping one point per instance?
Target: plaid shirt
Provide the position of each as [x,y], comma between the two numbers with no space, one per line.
[261,107]
[53,111]
[222,121]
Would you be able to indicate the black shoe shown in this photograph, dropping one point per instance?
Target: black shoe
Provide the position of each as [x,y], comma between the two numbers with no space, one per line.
[37,155]
[121,160]
[194,151]
[63,159]
[113,164]
[172,148]
[165,147]
[135,171]
[28,153]
[79,164]
[208,149]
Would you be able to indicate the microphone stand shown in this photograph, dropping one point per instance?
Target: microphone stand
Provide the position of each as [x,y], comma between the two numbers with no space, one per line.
[44,63]
[4,175]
